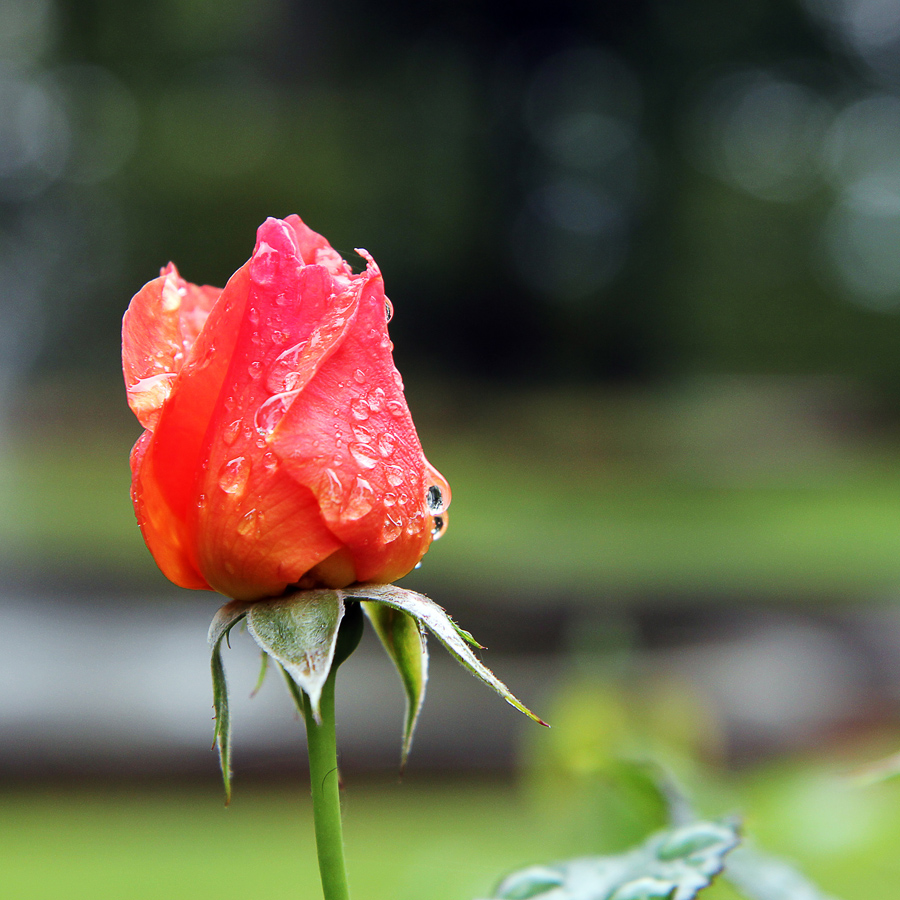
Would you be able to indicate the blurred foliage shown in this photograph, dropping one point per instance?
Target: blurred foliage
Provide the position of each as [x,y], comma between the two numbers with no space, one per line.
[629,190]
[626,752]
[752,491]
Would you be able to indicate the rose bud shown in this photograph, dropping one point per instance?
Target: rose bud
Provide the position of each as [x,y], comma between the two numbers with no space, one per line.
[278,447]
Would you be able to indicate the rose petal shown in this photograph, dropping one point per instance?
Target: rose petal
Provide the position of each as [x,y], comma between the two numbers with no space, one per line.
[158,331]
[349,437]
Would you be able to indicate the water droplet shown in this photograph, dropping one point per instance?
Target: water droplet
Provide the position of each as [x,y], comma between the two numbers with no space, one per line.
[359,376]
[394,475]
[201,501]
[386,444]
[376,400]
[272,411]
[647,888]
[392,527]
[360,501]
[418,565]
[264,265]
[359,409]
[284,374]
[404,498]
[255,369]
[390,499]
[278,337]
[398,379]
[249,524]
[253,315]
[364,455]
[434,500]
[361,433]
[270,461]
[171,296]
[234,475]
[332,491]
[439,527]
[396,408]
[414,524]
[388,310]
[230,433]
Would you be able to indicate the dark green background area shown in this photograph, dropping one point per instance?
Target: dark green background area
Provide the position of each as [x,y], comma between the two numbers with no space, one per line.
[400,128]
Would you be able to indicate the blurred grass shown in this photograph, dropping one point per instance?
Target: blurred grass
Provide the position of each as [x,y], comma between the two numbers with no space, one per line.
[730,490]
[449,841]
[403,843]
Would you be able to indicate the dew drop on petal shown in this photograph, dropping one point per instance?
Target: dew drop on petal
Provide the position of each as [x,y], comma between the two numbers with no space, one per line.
[272,411]
[376,400]
[364,455]
[415,523]
[388,310]
[390,499]
[394,475]
[418,565]
[392,527]
[332,491]
[434,500]
[362,433]
[270,461]
[360,500]
[359,409]
[255,369]
[359,376]
[396,408]
[230,433]
[440,526]
[249,524]
[234,475]
[264,265]
[398,379]
[253,315]
[284,374]
[386,444]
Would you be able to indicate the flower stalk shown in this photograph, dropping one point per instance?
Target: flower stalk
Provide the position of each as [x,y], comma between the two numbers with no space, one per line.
[325,784]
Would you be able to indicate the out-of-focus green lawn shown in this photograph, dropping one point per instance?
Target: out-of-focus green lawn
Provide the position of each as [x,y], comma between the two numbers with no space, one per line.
[555,494]
[449,842]
[403,843]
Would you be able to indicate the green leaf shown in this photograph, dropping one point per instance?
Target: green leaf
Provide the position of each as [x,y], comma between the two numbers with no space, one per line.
[223,621]
[404,639]
[300,632]
[762,877]
[442,627]
[671,865]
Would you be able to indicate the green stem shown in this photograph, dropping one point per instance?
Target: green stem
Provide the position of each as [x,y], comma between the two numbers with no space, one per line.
[323,776]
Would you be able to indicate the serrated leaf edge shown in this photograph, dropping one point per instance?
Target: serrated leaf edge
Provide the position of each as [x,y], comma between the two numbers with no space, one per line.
[436,620]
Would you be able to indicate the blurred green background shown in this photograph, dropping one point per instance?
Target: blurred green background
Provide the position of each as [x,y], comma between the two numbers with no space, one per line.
[645,261]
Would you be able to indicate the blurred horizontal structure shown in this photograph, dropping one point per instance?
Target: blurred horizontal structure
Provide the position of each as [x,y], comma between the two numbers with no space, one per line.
[121,688]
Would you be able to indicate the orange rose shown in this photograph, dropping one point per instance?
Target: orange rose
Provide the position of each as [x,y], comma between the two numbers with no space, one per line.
[279,450]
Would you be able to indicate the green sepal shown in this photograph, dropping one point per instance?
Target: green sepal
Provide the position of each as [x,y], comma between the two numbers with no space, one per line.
[670,865]
[223,621]
[759,876]
[300,632]
[404,640]
[433,617]
[263,671]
